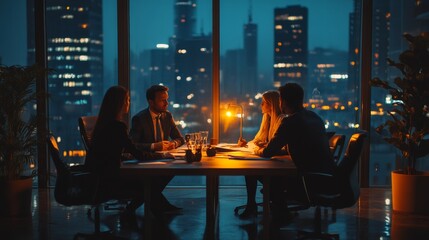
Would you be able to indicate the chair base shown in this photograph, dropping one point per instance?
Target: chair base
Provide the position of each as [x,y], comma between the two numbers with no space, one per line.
[317,233]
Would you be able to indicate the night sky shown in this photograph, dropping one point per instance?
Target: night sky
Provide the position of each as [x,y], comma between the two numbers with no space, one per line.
[152,23]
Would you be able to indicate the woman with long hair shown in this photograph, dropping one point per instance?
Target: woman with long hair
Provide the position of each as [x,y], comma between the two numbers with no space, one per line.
[271,119]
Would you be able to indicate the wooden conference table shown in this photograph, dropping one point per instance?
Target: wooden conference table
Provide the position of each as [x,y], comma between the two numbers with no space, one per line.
[232,163]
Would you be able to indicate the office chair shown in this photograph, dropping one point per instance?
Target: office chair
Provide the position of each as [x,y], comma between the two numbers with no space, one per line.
[86,128]
[75,187]
[336,145]
[339,190]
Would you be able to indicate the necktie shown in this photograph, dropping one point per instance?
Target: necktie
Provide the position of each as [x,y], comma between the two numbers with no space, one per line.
[158,129]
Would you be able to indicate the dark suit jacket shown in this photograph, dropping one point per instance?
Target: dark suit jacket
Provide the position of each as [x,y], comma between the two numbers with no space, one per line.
[142,131]
[305,134]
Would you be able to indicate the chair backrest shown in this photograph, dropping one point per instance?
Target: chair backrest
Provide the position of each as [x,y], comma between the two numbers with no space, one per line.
[86,127]
[336,145]
[62,168]
[346,172]
[71,188]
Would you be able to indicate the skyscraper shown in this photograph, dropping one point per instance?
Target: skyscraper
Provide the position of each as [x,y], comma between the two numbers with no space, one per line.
[291,45]
[75,52]
[185,18]
[354,52]
[192,56]
[240,66]
[249,84]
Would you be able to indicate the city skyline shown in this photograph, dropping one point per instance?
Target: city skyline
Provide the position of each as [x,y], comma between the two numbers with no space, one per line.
[234,14]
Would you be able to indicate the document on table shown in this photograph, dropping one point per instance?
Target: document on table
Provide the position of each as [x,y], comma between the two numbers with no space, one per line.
[234,147]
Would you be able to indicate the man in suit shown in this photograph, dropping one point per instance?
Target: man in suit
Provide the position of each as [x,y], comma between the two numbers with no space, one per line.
[303,131]
[153,129]
[146,123]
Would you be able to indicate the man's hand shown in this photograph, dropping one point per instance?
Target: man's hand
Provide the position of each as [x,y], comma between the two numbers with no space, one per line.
[161,146]
[171,145]
[164,146]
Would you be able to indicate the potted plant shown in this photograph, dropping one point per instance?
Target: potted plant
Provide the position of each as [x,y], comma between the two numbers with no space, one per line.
[407,128]
[17,137]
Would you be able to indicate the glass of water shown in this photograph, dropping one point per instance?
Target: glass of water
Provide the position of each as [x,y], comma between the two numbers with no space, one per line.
[204,136]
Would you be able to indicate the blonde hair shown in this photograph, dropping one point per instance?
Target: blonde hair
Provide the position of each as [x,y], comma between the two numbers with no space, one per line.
[270,121]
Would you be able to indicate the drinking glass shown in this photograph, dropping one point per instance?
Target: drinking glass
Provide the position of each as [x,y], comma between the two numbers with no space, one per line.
[204,137]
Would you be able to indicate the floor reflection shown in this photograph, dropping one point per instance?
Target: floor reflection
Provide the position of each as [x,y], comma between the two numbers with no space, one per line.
[370,218]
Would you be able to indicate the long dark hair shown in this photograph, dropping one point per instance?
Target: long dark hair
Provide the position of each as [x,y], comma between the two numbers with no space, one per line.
[113,102]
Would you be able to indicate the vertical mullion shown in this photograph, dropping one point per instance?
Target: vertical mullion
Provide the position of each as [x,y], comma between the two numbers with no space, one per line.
[41,88]
[365,117]
[123,11]
[216,68]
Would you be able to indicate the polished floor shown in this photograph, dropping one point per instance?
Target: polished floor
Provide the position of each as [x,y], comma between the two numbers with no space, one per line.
[370,218]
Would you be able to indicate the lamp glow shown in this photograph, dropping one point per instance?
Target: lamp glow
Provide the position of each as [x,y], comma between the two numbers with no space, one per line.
[241,116]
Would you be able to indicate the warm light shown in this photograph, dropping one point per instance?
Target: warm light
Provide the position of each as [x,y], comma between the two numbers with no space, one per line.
[32,165]
[241,116]
[228,114]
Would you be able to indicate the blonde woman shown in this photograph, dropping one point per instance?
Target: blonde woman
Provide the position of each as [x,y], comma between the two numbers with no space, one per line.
[271,119]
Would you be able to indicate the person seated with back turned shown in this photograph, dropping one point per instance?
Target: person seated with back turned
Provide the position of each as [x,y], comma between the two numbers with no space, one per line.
[303,131]
[145,124]
[271,119]
[109,140]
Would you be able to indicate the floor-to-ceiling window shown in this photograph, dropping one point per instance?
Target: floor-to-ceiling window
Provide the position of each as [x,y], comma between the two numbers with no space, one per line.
[171,44]
[81,43]
[265,44]
[390,20]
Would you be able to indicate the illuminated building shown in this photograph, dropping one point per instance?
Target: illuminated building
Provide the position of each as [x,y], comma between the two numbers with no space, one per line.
[240,66]
[249,84]
[291,45]
[75,53]
[192,57]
